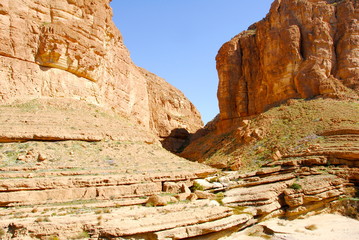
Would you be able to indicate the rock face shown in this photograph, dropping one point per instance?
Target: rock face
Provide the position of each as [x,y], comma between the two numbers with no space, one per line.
[72,49]
[302,49]
[289,192]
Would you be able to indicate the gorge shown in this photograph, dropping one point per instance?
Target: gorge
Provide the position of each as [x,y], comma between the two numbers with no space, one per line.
[84,130]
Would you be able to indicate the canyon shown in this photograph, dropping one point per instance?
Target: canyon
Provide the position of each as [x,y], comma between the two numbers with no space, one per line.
[85,133]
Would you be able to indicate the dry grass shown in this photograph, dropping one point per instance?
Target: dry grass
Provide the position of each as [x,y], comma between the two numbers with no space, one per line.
[124,156]
[311,227]
[288,128]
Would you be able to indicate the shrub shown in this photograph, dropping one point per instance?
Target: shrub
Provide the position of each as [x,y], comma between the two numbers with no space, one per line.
[81,235]
[197,186]
[53,238]
[107,210]
[350,207]
[296,186]
[219,198]
[98,211]
[311,227]
[2,232]
[240,210]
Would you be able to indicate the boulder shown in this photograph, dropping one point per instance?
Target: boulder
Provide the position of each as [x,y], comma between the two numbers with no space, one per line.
[204,195]
[156,200]
[171,187]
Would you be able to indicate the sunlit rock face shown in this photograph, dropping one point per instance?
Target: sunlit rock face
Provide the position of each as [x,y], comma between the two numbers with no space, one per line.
[72,49]
[301,49]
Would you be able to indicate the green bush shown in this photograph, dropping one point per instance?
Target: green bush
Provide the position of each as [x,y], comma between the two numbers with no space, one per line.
[219,198]
[296,186]
[53,238]
[82,235]
[197,186]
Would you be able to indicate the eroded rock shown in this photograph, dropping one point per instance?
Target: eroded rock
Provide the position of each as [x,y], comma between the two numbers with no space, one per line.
[301,49]
[72,50]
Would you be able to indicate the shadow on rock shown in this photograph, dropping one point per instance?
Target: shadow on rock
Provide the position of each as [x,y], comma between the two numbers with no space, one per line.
[177,141]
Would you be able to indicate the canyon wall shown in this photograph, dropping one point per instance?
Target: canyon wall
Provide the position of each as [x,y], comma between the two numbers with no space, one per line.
[71,49]
[301,49]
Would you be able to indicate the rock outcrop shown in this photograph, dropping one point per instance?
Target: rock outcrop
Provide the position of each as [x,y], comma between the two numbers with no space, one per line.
[72,49]
[302,49]
[283,190]
[176,221]
[289,192]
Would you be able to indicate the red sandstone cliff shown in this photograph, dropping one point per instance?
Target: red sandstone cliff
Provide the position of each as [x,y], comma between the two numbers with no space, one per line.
[302,49]
[72,49]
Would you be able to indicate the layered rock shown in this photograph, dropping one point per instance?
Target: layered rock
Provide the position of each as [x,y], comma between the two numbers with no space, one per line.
[38,173]
[123,195]
[58,119]
[96,195]
[284,191]
[72,49]
[302,49]
[176,221]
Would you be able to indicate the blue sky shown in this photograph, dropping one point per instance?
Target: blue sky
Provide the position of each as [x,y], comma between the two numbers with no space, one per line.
[179,40]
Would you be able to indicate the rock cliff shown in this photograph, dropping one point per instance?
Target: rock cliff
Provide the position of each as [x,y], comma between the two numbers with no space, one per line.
[301,49]
[72,49]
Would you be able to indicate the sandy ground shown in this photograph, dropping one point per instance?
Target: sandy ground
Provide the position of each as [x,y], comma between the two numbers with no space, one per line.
[320,227]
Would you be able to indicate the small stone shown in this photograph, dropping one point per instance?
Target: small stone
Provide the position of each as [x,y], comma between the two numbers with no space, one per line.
[169,199]
[30,152]
[203,183]
[41,158]
[171,187]
[258,133]
[219,165]
[214,203]
[156,200]
[182,196]
[22,158]
[217,185]
[236,165]
[184,188]
[192,197]
[244,123]
[277,155]
[204,195]
[224,180]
